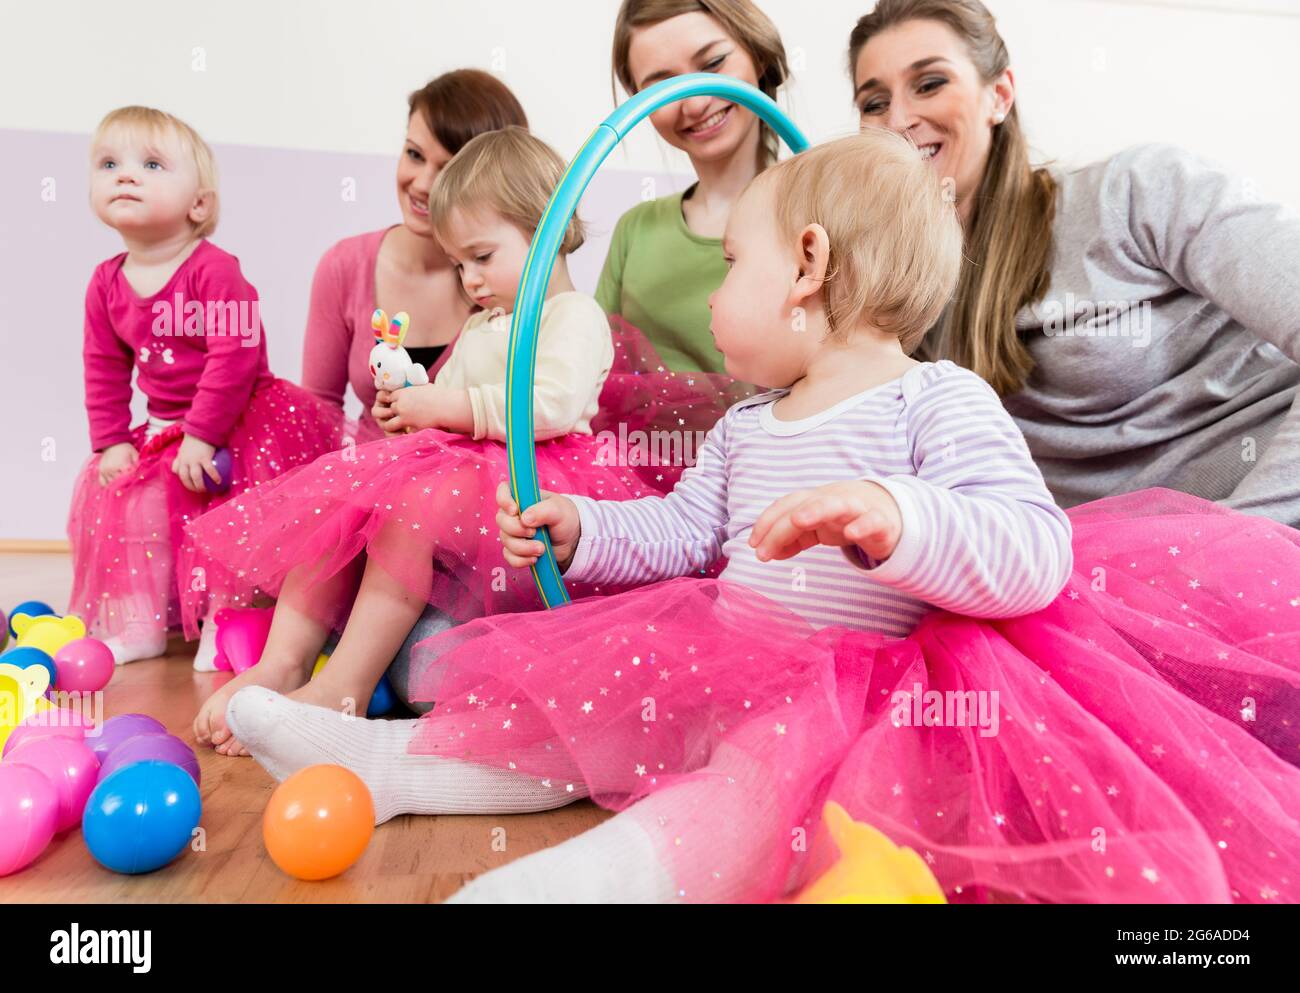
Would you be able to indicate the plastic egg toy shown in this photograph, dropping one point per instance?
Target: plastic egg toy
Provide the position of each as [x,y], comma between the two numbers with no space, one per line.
[224,465]
[152,748]
[141,817]
[71,768]
[117,729]
[49,723]
[84,665]
[29,809]
[319,822]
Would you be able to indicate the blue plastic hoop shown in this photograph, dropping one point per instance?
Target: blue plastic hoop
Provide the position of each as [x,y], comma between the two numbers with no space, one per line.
[520,368]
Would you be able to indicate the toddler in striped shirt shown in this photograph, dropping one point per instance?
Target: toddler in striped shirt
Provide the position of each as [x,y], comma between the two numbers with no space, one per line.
[865,488]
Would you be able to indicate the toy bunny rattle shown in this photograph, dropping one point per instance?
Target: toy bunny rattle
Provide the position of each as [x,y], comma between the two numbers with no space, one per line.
[390,363]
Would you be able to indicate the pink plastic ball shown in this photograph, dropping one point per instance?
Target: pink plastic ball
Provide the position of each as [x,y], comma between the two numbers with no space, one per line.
[29,809]
[71,768]
[83,666]
[53,723]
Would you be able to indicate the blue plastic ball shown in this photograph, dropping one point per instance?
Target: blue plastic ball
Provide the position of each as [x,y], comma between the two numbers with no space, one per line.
[141,817]
[32,608]
[26,656]
[383,700]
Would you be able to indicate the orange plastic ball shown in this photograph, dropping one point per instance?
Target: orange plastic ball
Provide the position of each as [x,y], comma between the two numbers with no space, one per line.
[318,822]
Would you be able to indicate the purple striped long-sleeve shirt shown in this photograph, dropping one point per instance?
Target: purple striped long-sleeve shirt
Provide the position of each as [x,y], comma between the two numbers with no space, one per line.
[981,534]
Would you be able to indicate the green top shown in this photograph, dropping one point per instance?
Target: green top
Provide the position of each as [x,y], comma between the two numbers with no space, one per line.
[658,276]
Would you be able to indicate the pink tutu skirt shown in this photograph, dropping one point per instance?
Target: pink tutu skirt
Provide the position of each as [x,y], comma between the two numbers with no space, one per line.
[124,536]
[1136,741]
[423,505]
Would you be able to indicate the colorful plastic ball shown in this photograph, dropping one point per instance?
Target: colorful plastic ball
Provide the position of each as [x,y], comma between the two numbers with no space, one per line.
[4,631]
[152,748]
[53,723]
[319,822]
[71,768]
[25,656]
[383,700]
[29,809]
[224,465]
[141,817]
[117,729]
[83,666]
[32,608]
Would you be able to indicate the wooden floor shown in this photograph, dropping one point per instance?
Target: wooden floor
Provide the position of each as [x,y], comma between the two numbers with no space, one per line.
[410,859]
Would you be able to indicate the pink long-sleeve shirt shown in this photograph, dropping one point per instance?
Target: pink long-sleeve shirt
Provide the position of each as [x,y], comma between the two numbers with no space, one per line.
[337,344]
[196,344]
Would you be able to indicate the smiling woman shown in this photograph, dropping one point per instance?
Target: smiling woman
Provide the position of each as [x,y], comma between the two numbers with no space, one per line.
[401,268]
[1137,315]
[666,254]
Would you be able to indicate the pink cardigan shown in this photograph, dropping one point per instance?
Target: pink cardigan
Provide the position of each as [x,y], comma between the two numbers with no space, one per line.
[190,369]
[337,344]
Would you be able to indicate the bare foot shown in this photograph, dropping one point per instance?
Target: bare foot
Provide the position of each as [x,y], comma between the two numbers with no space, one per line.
[334,694]
[210,724]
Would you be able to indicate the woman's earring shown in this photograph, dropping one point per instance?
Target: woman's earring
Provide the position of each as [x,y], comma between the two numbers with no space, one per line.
[999,117]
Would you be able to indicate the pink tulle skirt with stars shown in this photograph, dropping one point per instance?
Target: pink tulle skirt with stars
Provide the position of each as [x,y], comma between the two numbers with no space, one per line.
[423,505]
[125,536]
[1136,741]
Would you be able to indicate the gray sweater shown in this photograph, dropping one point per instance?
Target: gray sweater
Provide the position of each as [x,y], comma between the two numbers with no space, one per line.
[1167,346]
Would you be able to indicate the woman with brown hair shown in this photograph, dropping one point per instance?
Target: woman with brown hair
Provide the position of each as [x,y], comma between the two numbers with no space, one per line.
[401,268]
[666,254]
[1138,316]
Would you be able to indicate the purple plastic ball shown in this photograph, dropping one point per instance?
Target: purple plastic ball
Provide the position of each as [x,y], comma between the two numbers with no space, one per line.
[224,466]
[117,729]
[151,748]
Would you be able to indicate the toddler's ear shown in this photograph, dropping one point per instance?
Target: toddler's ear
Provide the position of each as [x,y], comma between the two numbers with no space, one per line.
[202,208]
[814,254]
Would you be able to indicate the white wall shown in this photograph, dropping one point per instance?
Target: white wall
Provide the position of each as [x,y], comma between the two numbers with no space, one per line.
[1095,75]
[322,83]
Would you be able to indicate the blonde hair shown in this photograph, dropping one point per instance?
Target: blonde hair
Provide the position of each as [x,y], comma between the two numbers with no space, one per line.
[1009,231]
[895,240]
[751,29]
[510,172]
[159,122]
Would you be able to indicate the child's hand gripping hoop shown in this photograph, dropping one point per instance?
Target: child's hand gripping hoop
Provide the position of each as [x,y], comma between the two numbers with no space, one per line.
[522,360]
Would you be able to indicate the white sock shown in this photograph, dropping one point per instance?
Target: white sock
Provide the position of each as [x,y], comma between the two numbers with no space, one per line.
[703,840]
[205,658]
[135,645]
[285,736]
[614,862]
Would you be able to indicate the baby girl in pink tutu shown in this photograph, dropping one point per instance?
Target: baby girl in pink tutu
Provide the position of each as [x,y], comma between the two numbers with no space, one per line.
[365,538]
[177,311]
[1098,706]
